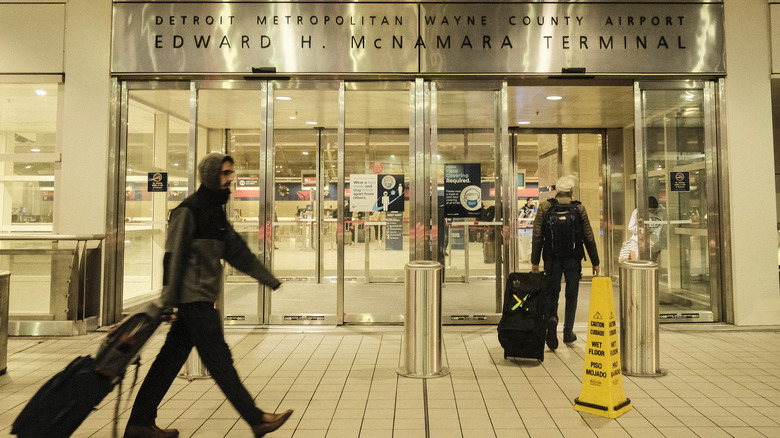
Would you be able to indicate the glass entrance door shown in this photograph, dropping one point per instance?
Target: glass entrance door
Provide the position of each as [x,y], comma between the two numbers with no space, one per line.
[229,119]
[467,123]
[541,156]
[677,208]
[378,177]
[303,200]
[155,138]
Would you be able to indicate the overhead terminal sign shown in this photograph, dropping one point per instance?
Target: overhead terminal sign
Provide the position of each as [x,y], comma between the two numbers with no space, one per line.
[426,37]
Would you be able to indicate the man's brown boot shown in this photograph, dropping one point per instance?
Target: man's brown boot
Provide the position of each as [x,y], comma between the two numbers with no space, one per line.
[136,431]
[270,423]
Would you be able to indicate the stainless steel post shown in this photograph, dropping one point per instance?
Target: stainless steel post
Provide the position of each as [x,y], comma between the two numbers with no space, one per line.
[639,319]
[194,367]
[5,287]
[422,346]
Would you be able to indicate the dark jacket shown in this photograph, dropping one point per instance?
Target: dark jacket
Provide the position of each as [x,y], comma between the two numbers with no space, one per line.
[199,237]
[539,244]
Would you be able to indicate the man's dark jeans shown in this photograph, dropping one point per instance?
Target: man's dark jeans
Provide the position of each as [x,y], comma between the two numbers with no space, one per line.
[198,325]
[571,270]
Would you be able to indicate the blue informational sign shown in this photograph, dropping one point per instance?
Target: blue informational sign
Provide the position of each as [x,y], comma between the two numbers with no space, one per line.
[680,181]
[462,190]
[157,182]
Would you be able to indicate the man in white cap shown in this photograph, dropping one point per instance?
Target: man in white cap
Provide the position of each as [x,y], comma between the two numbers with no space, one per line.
[561,229]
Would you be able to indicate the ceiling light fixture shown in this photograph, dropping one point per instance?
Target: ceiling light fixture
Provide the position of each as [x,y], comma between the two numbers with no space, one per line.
[283,98]
[523,122]
[311,123]
[40,92]
[554,97]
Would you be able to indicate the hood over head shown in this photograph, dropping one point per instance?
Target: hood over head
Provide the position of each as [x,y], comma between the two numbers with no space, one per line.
[210,170]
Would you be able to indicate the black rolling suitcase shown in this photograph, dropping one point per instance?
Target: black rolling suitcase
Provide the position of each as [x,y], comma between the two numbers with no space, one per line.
[62,403]
[523,324]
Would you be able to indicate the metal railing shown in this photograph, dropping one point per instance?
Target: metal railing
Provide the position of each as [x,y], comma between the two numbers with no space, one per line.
[72,263]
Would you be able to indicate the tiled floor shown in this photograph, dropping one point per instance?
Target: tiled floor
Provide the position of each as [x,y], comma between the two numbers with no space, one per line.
[342,383]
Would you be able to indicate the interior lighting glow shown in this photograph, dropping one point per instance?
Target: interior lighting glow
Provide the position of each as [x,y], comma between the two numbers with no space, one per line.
[554,97]
[311,123]
[283,98]
[523,122]
[40,92]
[35,150]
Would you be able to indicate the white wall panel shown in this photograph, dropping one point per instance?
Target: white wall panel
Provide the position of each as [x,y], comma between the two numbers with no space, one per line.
[750,161]
[31,38]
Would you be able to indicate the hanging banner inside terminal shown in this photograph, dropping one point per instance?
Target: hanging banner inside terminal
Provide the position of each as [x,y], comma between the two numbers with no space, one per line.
[540,38]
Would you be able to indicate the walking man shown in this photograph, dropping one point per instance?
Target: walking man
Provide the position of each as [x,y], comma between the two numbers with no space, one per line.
[199,236]
[561,228]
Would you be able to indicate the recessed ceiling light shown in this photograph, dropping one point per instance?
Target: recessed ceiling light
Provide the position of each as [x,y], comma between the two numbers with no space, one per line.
[554,97]
[311,123]
[305,153]
[293,117]
[27,167]
[35,150]
[40,92]
[283,98]
[523,122]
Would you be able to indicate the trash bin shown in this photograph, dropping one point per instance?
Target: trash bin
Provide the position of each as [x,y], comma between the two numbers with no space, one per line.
[639,319]
[5,283]
[421,347]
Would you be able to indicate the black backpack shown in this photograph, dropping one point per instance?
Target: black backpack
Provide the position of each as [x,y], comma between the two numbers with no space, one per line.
[562,228]
[62,403]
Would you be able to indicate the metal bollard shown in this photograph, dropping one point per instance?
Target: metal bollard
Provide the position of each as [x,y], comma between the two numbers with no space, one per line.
[5,286]
[639,319]
[194,367]
[421,348]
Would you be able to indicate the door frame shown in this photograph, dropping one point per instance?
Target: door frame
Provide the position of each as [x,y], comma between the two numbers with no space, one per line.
[710,117]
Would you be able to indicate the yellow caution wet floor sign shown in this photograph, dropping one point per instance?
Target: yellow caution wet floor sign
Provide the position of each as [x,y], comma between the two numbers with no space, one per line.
[602,384]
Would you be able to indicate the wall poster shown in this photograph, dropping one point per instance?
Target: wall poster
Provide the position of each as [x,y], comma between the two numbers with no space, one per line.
[462,190]
[370,192]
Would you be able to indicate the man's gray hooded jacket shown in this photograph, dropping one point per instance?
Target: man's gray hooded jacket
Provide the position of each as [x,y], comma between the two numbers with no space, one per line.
[199,236]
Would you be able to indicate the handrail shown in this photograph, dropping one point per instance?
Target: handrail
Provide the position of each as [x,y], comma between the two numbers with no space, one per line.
[50,237]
